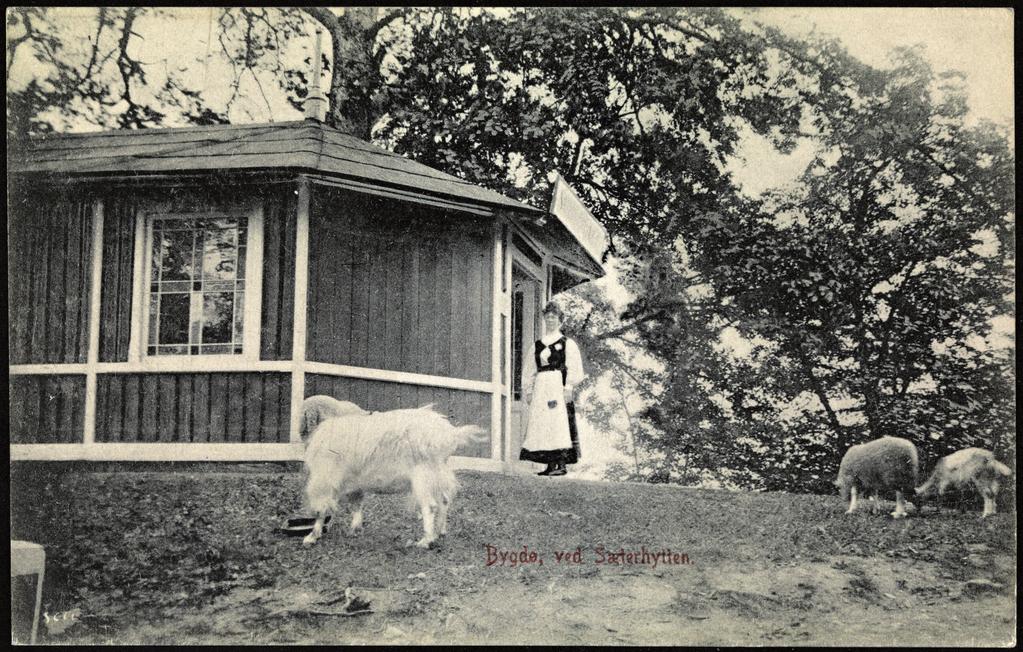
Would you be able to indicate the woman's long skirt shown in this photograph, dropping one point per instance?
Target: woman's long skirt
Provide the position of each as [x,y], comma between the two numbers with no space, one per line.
[551,434]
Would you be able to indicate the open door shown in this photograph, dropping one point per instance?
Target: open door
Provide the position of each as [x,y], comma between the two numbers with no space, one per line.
[527,294]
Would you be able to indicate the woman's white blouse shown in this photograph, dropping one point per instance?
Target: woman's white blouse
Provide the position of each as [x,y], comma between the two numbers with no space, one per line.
[573,363]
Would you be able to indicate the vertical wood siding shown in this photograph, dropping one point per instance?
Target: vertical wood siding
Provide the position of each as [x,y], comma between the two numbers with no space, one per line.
[47,409]
[398,286]
[119,214]
[49,266]
[463,407]
[211,407]
[278,274]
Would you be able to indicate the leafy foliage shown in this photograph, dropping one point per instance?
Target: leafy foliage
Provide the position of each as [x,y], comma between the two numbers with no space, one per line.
[875,279]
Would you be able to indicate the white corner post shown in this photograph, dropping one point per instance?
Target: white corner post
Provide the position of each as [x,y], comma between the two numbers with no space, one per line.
[497,338]
[92,353]
[506,308]
[301,302]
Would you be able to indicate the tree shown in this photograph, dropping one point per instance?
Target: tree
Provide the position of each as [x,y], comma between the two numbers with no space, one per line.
[874,279]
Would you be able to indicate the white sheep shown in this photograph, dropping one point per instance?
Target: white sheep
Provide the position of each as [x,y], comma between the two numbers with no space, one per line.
[885,464]
[974,465]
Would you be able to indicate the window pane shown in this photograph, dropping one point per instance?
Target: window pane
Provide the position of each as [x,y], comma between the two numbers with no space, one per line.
[241,256]
[197,299]
[173,312]
[217,317]
[239,315]
[215,348]
[154,317]
[175,255]
[218,286]
[219,255]
[177,349]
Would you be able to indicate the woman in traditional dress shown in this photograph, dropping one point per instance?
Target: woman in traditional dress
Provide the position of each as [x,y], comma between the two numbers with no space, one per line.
[550,374]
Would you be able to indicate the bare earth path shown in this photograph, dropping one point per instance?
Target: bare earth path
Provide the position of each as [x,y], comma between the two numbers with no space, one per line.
[764,569]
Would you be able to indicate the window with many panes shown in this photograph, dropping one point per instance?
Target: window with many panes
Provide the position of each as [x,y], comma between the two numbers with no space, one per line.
[196,285]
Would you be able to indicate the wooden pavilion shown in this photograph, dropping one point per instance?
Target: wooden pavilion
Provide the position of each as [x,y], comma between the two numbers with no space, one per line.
[175,293]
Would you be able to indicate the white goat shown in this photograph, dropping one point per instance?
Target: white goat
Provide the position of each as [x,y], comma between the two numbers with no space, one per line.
[384,452]
[970,465]
[885,464]
[319,408]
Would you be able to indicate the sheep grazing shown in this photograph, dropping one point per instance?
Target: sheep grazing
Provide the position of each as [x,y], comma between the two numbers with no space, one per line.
[974,465]
[885,464]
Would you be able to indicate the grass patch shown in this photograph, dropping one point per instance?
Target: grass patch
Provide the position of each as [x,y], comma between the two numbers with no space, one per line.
[132,547]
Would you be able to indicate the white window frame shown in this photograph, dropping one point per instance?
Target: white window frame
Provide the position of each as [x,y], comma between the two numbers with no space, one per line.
[142,295]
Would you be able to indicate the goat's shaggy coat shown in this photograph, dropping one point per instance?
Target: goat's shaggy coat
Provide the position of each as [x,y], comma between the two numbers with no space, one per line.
[384,452]
[970,465]
[319,408]
[879,466]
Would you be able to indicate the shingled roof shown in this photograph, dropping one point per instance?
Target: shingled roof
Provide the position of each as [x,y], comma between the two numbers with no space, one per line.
[303,146]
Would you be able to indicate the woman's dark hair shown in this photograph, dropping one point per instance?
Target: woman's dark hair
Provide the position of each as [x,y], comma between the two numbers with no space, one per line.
[552,309]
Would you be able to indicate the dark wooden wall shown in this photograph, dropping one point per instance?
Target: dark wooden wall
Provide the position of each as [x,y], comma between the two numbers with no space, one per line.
[205,407]
[399,286]
[47,409]
[462,407]
[278,312]
[49,267]
[120,213]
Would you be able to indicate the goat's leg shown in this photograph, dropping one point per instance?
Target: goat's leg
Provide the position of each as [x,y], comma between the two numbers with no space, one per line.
[314,536]
[356,501]
[445,496]
[321,494]
[423,492]
[442,514]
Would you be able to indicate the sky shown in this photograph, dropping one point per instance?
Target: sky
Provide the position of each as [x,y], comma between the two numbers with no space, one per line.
[976,41]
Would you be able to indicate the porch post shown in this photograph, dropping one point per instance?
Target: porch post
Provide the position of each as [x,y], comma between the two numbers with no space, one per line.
[92,353]
[301,301]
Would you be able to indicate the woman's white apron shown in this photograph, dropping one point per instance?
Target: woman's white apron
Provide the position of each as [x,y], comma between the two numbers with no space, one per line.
[547,427]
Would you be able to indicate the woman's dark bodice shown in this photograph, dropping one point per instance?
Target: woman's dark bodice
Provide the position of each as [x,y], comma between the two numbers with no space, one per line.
[556,361]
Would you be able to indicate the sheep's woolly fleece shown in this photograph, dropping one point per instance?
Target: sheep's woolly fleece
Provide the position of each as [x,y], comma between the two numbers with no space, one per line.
[888,463]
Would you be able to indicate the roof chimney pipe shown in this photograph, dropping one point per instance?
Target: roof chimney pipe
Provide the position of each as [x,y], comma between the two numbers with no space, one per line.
[316,102]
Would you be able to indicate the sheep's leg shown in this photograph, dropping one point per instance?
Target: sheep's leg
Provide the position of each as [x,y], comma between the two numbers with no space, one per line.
[422,489]
[989,494]
[356,500]
[900,505]
[852,500]
[875,502]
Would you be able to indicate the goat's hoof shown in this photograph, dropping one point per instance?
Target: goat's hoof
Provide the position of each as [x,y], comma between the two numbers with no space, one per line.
[898,515]
[424,543]
[309,540]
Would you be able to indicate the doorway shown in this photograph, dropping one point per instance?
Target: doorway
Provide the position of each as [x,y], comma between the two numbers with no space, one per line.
[526,328]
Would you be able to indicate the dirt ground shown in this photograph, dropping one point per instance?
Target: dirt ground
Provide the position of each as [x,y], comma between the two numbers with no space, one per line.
[765,569]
